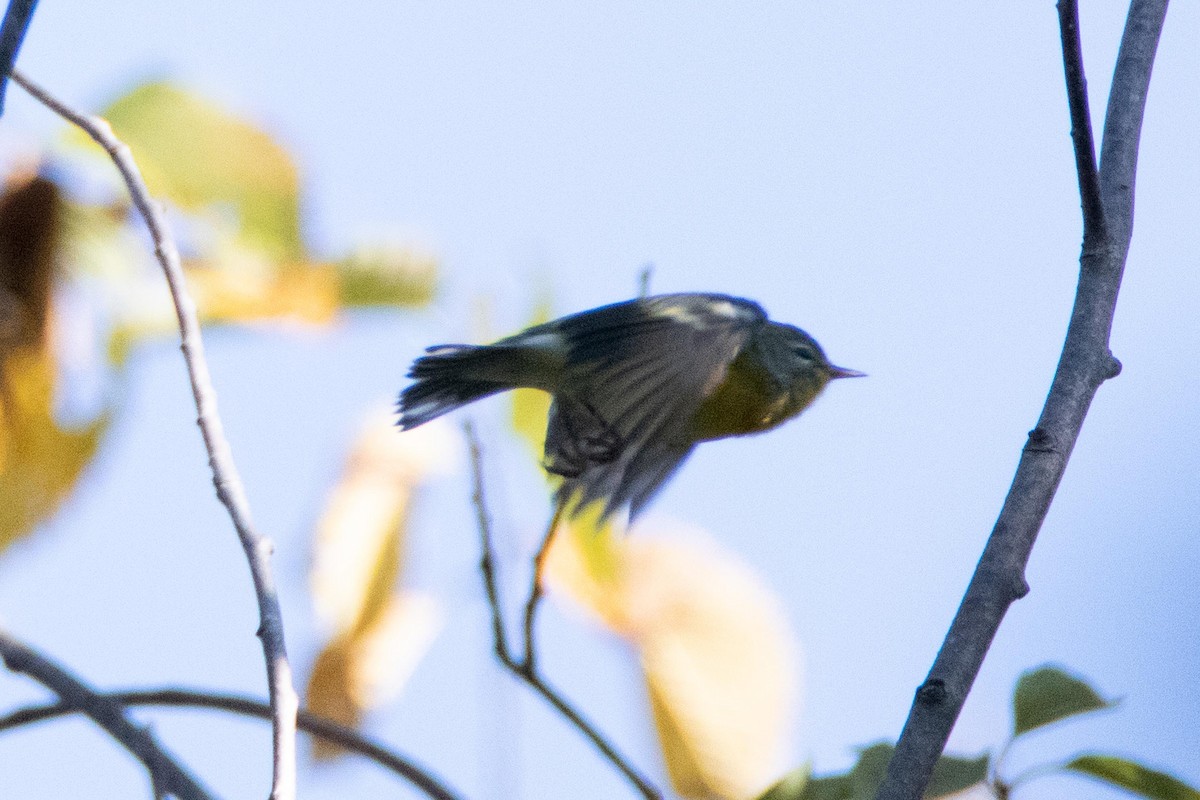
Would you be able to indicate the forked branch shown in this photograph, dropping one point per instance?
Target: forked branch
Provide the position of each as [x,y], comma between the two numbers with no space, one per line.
[230,491]
[1086,362]
[318,726]
[525,669]
[166,775]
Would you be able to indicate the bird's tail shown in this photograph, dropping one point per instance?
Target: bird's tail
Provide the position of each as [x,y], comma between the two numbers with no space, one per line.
[451,376]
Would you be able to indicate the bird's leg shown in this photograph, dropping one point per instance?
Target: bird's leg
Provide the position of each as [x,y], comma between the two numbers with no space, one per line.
[535,589]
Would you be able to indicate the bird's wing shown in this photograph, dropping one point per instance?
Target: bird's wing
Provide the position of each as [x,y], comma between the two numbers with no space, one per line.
[638,372]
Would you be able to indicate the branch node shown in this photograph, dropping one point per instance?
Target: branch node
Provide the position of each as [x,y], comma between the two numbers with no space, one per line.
[932,692]
[1020,587]
[1041,441]
[1113,367]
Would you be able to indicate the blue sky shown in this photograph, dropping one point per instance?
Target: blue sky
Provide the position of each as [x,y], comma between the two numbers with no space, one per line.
[898,182]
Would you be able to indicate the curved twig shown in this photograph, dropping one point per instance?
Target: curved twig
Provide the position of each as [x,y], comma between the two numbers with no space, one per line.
[308,722]
[166,775]
[524,669]
[230,491]
[1085,364]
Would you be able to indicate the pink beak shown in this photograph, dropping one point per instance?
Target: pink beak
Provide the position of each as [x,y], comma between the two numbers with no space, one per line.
[842,372]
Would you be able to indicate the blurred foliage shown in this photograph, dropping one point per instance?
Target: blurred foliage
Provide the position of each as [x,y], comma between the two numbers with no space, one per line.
[206,159]
[1042,696]
[386,276]
[234,199]
[380,631]
[951,776]
[30,220]
[718,658]
[40,460]
[1133,777]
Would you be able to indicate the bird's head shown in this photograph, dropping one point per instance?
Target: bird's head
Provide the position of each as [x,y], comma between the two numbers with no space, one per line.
[797,362]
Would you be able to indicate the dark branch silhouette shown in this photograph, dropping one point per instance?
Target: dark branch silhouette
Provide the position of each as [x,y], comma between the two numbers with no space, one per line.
[17,17]
[166,775]
[330,731]
[1085,364]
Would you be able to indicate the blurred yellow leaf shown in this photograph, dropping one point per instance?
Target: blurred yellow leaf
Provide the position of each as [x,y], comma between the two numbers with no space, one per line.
[39,461]
[203,157]
[363,668]
[530,407]
[359,537]
[329,689]
[379,634]
[720,663]
[241,293]
[586,560]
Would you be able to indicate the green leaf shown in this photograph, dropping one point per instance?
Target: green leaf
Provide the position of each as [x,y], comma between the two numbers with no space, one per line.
[869,772]
[1048,694]
[791,786]
[799,784]
[1134,777]
[831,787]
[952,774]
[205,159]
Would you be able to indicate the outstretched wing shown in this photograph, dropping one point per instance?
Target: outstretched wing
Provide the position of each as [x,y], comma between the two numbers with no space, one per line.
[636,374]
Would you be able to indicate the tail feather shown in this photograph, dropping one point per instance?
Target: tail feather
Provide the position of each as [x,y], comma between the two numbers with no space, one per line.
[446,379]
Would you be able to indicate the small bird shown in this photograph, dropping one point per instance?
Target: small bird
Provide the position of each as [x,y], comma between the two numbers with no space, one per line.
[635,386]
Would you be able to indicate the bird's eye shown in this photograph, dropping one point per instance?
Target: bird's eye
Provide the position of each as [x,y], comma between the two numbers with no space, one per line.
[805,353]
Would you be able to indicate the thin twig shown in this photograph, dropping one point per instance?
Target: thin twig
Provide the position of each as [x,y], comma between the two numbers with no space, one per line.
[1095,229]
[644,279]
[525,669]
[322,728]
[536,589]
[1085,364]
[166,775]
[487,564]
[230,491]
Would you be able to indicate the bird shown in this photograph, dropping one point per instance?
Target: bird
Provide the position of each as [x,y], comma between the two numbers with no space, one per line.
[634,387]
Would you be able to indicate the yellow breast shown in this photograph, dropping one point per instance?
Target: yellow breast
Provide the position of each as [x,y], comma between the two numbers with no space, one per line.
[747,401]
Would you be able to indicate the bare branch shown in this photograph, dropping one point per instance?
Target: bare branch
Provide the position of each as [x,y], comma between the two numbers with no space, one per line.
[1085,364]
[228,484]
[487,565]
[525,669]
[166,775]
[1126,110]
[330,731]
[1094,225]
[17,17]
